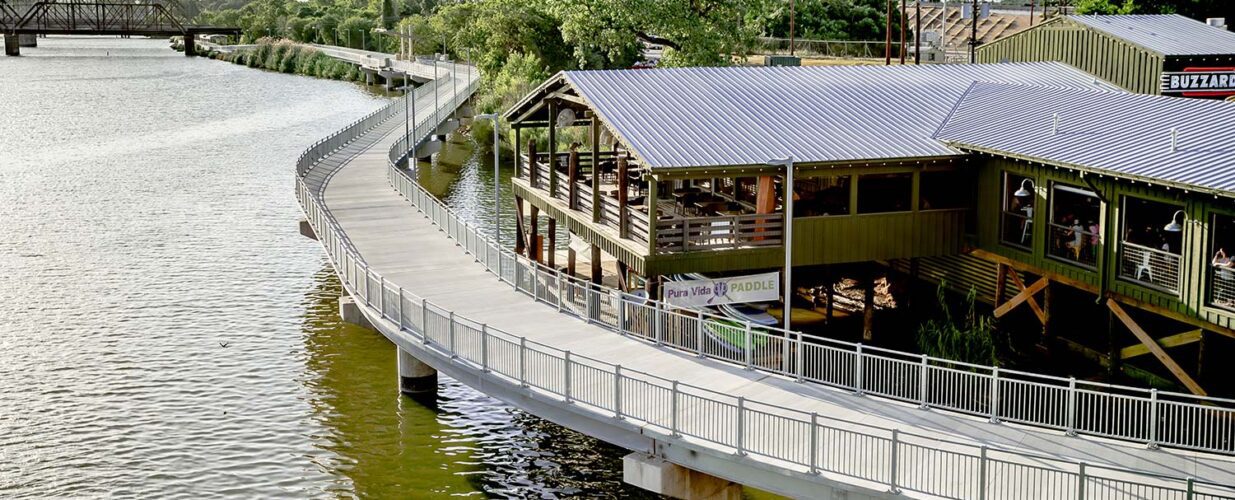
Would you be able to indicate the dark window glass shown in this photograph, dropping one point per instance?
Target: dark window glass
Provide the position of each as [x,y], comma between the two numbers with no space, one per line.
[1150,243]
[817,196]
[879,193]
[1016,220]
[945,190]
[1075,230]
[1222,264]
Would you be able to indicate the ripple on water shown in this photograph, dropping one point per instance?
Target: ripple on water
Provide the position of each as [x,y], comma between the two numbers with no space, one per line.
[166,332]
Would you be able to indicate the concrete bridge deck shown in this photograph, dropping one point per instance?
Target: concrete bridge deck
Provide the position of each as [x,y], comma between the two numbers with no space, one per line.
[939,452]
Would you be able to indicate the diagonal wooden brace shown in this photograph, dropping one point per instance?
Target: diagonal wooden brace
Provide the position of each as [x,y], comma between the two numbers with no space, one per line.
[1025,296]
[1154,348]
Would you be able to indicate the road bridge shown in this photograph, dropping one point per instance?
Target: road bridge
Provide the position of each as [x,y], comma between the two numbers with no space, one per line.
[26,20]
[628,372]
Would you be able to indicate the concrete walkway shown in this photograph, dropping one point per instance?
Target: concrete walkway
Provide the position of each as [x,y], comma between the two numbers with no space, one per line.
[404,246]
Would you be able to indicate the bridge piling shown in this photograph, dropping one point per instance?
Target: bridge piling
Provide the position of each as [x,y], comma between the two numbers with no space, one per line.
[190,45]
[658,475]
[12,47]
[415,376]
[27,40]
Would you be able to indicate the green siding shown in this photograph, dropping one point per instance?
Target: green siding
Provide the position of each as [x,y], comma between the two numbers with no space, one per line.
[1114,60]
[861,238]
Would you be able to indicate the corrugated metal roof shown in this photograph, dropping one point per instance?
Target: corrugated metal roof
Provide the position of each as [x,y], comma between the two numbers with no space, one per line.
[1167,34]
[696,117]
[1121,134]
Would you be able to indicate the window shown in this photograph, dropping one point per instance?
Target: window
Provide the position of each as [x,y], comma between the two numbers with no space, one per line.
[1150,244]
[879,193]
[1075,231]
[945,190]
[1222,292]
[1016,221]
[818,196]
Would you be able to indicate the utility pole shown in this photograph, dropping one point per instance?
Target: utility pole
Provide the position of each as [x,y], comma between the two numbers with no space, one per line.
[791,16]
[917,32]
[973,35]
[1031,7]
[887,43]
[902,18]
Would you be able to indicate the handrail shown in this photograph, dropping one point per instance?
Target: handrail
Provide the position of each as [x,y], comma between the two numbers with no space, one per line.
[969,470]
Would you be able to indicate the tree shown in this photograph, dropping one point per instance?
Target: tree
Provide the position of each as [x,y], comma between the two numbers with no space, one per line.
[1105,7]
[389,17]
[327,28]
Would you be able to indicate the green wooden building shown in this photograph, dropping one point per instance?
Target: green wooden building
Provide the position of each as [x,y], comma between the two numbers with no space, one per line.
[1015,179]
[1148,54]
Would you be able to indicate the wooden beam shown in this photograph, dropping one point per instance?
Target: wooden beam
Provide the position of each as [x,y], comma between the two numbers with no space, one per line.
[1185,338]
[1026,295]
[1001,282]
[1033,303]
[1081,285]
[1154,348]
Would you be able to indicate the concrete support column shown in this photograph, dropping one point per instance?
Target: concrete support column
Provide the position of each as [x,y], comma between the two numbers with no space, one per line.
[11,46]
[190,45]
[415,376]
[674,481]
[349,312]
[28,40]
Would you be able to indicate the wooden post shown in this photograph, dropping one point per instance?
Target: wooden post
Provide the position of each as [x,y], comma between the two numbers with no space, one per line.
[551,248]
[623,186]
[596,272]
[653,214]
[868,308]
[623,271]
[570,262]
[533,250]
[1048,301]
[552,149]
[595,169]
[915,270]
[533,173]
[1001,282]
[518,163]
[830,294]
[652,286]
[572,176]
[520,234]
[1200,359]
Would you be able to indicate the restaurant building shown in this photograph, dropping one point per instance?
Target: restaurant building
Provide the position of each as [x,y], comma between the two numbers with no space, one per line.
[1148,54]
[1009,178]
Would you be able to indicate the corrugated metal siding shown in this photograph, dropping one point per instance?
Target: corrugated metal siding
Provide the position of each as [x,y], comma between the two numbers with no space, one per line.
[862,238]
[1167,34]
[1121,63]
[1107,132]
[961,272]
[698,117]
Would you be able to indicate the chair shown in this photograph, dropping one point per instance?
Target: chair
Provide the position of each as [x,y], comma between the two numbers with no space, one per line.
[1144,268]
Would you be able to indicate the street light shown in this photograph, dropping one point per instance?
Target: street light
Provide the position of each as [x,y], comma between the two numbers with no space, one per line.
[787,164]
[1174,226]
[497,193]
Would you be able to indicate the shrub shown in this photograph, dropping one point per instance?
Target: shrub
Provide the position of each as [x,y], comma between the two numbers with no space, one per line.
[970,339]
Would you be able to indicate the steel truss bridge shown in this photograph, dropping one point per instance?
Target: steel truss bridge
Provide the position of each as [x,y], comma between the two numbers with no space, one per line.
[99,17]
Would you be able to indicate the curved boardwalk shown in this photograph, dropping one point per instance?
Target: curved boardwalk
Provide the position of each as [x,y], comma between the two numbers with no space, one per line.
[866,445]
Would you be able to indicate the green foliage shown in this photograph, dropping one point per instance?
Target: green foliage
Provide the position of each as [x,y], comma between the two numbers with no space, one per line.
[833,20]
[1105,7]
[970,339]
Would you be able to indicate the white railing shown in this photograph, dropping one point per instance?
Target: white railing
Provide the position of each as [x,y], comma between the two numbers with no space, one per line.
[790,438]
[1156,268]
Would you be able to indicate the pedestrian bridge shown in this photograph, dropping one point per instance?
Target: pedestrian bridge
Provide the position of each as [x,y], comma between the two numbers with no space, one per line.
[790,414]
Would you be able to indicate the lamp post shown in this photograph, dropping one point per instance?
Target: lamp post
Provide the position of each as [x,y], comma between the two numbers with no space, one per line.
[787,164]
[497,193]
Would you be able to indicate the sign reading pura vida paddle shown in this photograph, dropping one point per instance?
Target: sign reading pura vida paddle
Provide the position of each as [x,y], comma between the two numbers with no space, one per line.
[712,292]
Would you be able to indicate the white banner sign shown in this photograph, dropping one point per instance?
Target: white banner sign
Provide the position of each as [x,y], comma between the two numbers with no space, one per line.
[696,293]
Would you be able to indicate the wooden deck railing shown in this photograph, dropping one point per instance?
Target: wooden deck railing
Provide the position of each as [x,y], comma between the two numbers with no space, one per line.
[719,232]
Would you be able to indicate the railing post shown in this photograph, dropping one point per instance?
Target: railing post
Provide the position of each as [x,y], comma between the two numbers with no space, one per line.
[617,392]
[895,459]
[453,354]
[1153,419]
[741,425]
[566,375]
[523,361]
[982,474]
[1080,482]
[484,347]
[400,309]
[424,321]
[535,274]
[797,357]
[994,395]
[699,323]
[1071,406]
[656,321]
[1190,489]
[621,313]
[923,374]
[750,362]
[558,275]
[381,296]
[814,443]
[858,372]
[589,295]
[673,410]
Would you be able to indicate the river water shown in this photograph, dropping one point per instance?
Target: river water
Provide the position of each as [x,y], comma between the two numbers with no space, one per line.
[166,332]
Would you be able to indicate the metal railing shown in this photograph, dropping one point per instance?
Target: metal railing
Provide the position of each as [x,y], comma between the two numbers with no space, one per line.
[1149,266]
[790,438]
